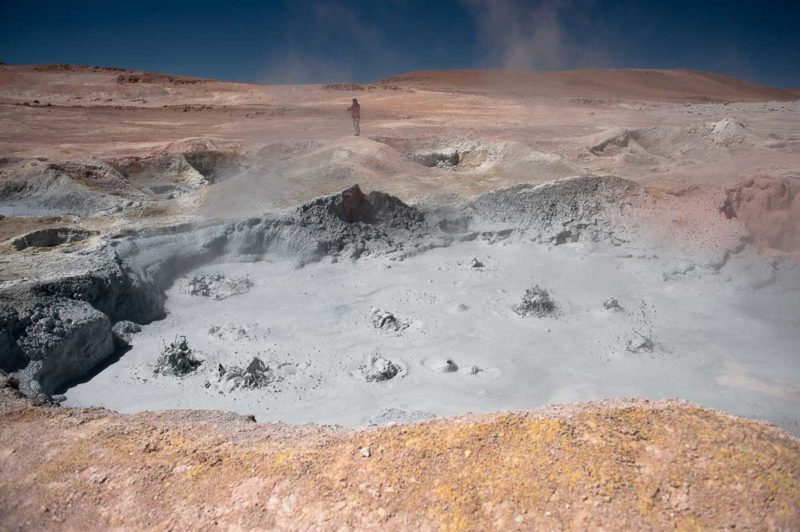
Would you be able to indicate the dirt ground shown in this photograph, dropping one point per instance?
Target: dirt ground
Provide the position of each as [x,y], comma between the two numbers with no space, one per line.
[611,465]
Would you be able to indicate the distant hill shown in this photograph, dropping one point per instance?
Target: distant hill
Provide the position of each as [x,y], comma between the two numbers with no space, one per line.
[613,84]
[665,85]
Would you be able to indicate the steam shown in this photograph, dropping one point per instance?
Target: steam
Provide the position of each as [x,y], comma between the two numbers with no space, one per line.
[524,35]
[299,60]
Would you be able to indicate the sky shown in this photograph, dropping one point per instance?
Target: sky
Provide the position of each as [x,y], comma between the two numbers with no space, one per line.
[300,41]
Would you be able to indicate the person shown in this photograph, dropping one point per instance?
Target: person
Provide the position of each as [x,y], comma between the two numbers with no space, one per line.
[355,112]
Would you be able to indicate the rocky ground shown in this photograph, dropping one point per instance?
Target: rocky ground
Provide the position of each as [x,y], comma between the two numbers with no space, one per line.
[612,465]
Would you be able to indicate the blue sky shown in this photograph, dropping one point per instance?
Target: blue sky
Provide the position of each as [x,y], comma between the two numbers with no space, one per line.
[303,41]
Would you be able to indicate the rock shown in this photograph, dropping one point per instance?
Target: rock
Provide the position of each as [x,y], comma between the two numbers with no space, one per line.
[612,304]
[364,452]
[476,263]
[124,330]
[66,341]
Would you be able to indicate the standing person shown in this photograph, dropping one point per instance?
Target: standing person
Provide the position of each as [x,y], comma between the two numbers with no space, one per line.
[355,112]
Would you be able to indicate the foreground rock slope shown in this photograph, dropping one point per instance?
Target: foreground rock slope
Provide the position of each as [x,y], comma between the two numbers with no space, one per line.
[615,464]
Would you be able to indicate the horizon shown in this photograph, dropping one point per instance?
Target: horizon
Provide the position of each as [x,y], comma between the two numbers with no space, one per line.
[396,75]
[358,41]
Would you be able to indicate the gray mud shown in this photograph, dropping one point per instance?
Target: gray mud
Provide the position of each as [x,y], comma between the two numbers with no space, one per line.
[61,326]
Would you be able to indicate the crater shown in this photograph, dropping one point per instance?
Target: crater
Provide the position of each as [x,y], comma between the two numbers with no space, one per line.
[51,237]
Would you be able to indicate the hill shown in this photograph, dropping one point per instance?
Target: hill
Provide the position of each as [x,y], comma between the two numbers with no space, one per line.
[666,85]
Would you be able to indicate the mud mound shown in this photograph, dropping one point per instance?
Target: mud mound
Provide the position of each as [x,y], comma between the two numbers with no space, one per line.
[361,222]
[237,332]
[51,237]
[641,344]
[613,305]
[116,185]
[255,375]
[201,144]
[567,210]
[216,165]
[632,139]
[218,286]
[177,359]
[82,187]
[727,132]
[98,175]
[387,321]
[170,175]
[173,167]
[769,209]
[536,302]
[279,151]
[650,145]
[378,369]
[471,154]
[130,184]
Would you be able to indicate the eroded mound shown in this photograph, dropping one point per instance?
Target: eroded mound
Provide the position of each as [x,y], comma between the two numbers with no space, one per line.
[770,210]
[177,359]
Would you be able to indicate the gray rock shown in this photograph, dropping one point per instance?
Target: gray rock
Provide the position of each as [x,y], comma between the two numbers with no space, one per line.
[63,341]
[124,330]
